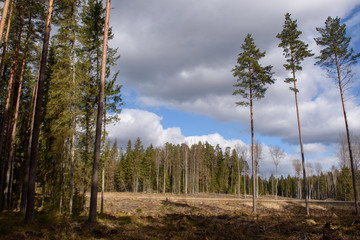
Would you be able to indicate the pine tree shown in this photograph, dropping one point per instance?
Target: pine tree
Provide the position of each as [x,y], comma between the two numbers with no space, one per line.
[337,58]
[29,217]
[295,51]
[252,79]
[94,182]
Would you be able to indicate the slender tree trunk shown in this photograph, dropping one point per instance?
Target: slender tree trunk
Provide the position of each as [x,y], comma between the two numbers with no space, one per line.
[301,147]
[95,175]
[244,181]
[252,147]
[239,177]
[6,39]
[276,185]
[165,169]
[103,167]
[102,189]
[186,168]
[6,118]
[72,167]
[3,17]
[29,217]
[25,183]
[348,138]
[13,131]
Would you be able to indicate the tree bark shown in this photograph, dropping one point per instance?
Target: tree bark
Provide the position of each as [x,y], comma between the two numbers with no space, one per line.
[95,175]
[13,131]
[25,183]
[72,167]
[6,117]
[6,39]
[347,137]
[252,146]
[3,17]
[301,147]
[29,216]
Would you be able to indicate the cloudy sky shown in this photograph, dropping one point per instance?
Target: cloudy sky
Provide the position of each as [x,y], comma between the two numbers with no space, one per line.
[175,68]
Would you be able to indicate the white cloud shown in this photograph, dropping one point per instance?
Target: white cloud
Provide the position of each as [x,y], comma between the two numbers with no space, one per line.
[136,123]
[147,125]
[179,54]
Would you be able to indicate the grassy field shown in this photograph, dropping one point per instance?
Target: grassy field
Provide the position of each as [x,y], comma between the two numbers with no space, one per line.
[203,216]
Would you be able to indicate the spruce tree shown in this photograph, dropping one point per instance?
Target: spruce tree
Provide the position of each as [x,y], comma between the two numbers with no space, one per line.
[295,51]
[252,79]
[337,57]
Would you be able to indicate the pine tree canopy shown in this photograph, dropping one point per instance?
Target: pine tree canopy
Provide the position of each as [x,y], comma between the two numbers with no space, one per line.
[252,77]
[336,45]
[295,50]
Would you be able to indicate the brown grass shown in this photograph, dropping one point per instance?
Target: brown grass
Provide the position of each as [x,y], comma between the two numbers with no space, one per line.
[205,216]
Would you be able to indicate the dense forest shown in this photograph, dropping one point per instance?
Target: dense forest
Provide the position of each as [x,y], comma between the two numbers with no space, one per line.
[62,68]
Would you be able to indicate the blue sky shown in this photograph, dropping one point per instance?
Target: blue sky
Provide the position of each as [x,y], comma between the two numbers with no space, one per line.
[175,66]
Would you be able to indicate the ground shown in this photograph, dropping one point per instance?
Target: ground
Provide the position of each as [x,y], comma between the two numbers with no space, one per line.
[202,216]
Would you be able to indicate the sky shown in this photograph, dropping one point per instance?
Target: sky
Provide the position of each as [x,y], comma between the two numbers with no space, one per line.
[175,68]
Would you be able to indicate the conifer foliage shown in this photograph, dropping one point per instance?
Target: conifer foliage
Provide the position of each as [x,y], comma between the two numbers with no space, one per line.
[337,57]
[252,84]
[295,51]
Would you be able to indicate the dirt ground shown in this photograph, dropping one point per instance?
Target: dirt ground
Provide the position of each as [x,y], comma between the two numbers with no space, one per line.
[204,216]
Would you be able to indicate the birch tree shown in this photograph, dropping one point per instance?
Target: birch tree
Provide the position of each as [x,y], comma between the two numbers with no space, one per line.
[276,154]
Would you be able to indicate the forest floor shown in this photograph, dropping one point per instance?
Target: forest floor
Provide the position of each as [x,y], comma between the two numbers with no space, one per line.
[201,216]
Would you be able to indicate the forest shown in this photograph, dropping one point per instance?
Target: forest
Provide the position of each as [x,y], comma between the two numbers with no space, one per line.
[59,92]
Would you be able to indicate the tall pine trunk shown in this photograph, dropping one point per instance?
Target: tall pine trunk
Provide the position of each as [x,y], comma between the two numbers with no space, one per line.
[95,175]
[6,117]
[72,167]
[348,138]
[13,130]
[301,147]
[25,184]
[252,146]
[29,216]
[3,17]
[6,39]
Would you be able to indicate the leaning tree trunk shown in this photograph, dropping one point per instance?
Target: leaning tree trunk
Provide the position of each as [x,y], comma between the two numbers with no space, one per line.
[6,39]
[95,175]
[29,216]
[3,17]
[348,137]
[301,147]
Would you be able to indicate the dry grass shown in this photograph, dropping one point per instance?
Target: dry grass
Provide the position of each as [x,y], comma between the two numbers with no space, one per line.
[205,216]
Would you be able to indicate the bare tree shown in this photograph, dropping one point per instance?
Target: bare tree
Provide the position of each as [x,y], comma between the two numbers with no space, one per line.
[343,153]
[318,168]
[334,178]
[242,152]
[258,158]
[276,154]
[310,170]
[297,168]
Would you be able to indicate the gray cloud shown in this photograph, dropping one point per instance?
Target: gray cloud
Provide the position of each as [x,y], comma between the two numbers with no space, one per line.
[180,54]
